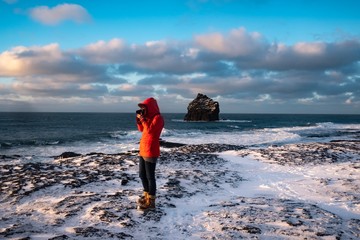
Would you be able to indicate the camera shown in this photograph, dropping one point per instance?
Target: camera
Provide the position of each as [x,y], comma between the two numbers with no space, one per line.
[140,111]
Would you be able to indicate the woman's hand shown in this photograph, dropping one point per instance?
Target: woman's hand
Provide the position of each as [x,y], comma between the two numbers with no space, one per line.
[140,117]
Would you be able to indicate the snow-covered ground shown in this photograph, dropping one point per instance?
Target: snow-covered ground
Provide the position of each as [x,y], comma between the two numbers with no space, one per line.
[208,191]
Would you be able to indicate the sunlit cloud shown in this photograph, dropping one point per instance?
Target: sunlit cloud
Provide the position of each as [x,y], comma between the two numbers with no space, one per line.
[310,48]
[238,43]
[60,13]
[239,65]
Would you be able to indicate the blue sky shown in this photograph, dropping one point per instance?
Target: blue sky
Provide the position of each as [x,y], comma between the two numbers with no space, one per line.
[259,56]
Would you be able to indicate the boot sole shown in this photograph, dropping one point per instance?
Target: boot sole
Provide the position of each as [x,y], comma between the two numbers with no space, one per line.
[138,207]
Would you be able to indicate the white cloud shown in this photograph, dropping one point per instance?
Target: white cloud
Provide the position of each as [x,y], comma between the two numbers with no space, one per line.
[103,52]
[48,60]
[237,43]
[263,98]
[250,50]
[150,57]
[350,99]
[60,13]
[310,48]
[24,60]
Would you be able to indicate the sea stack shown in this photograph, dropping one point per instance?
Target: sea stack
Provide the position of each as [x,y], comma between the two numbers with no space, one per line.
[202,108]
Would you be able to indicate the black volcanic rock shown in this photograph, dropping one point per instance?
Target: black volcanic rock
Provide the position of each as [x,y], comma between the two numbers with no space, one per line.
[67,155]
[202,108]
[167,144]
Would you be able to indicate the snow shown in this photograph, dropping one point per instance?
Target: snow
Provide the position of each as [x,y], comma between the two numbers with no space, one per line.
[297,182]
[202,194]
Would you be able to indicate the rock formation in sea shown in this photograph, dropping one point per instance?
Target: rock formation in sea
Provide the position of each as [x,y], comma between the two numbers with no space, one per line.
[202,108]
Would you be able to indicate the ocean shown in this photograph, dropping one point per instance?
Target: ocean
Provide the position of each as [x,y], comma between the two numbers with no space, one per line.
[41,136]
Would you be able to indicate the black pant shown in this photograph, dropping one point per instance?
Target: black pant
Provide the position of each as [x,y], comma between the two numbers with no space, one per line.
[147,176]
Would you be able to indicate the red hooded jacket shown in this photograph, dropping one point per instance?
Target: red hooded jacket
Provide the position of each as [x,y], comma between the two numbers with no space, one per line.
[151,126]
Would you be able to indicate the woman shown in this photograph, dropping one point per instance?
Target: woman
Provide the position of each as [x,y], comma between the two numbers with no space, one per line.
[150,123]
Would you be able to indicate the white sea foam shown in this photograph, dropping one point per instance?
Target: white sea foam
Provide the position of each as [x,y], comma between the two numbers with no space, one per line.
[283,135]
[324,127]
[236,138]
[126,135]
[221,120]
[128,140]
[122,141]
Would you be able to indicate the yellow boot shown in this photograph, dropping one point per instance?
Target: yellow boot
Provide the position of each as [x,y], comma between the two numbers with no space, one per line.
[143,199]
[149,204]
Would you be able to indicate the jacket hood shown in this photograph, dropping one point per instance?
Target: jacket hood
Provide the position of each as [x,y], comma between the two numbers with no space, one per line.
[151,106]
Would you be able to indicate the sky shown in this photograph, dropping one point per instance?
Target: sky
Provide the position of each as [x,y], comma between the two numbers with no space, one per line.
[252,56]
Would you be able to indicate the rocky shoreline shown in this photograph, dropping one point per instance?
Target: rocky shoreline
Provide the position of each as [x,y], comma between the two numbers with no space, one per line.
[93,196]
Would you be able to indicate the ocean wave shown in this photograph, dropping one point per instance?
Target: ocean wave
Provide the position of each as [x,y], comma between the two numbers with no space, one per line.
[338,126]
[125,135]
[282,135]
[21,143]
[235,138]
[5,145]
[324,126]
[221,121]
[235,121]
